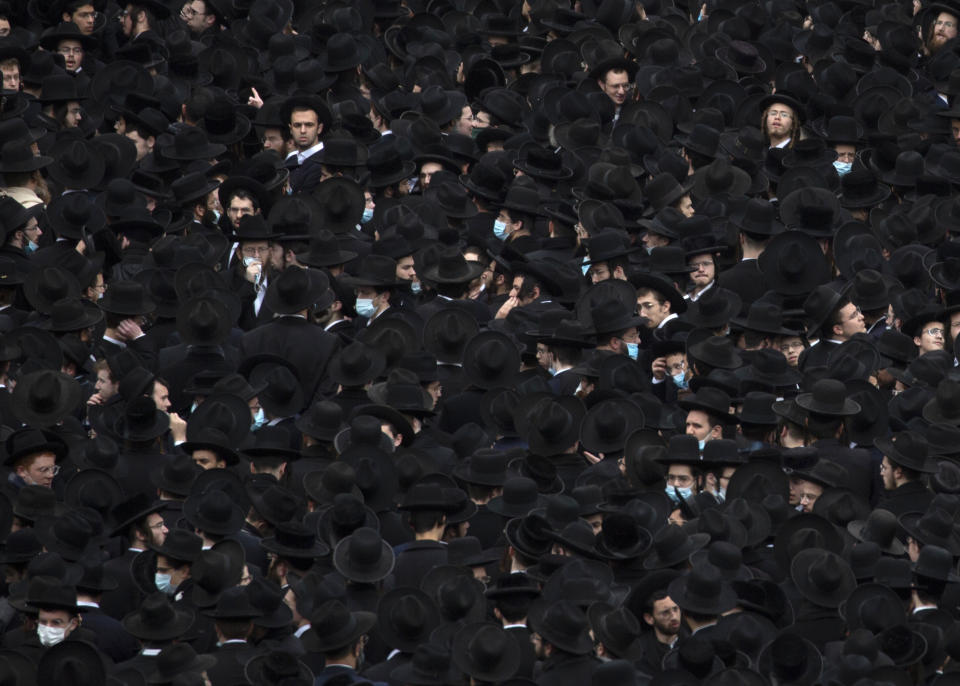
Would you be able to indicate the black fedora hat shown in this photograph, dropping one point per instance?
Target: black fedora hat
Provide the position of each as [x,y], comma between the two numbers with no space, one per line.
[294,540]
[907,449]
[880,527]
[77,165]
[364,556]
[214,512]
[356,364]
[703,591]
[491,360]
[934,527]
[671,546]
[828,397]
[605,427]
[822,577]
[30,441]
[333,626]
[44,398]
[277,667]
[485,651]
[562,624]
[157,619]
[296,289]
[126,298]
[406,617]
[203,321]
[551,425]
[790,658]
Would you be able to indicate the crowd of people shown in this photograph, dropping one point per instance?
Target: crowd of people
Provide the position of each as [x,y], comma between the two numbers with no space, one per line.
[474,342]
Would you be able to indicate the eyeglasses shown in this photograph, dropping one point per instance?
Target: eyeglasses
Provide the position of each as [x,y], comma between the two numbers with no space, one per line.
[677,367]
[945,23]
[679,479]
[54,470]
[701,265]
[189,13]
[783,114]
[625,87]
[159,525]
[784,347]
[70,51]
[936,333]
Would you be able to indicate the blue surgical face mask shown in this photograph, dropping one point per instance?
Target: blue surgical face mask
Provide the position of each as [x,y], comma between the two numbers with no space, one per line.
[259,419]
[163,583]
[633,350]
[842,167]
[500,229]
[30,247]
[700,444]
[584,268]
[367,215]
[194,406]
[684,493]
[680,380]
[721,495]
[365,307]
[415,287]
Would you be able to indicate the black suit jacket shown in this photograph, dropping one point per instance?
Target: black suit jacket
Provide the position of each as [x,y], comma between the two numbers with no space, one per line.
[746,280]
[305,345]
[231,659]
[912,496]
[115,642]
[126,597]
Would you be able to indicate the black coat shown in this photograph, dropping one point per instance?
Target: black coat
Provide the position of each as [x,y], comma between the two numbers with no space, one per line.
[417,558]
[306,346]
[127,596]
[231,659]
[115,642]
[912,496]
[564,669]
[746,280]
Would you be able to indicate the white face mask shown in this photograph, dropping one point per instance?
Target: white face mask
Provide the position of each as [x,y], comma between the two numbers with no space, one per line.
[50,636]
[247,261]
[163,583]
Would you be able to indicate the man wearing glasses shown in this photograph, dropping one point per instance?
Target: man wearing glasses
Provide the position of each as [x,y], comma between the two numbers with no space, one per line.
[198,16]
[33,456]
[82,13]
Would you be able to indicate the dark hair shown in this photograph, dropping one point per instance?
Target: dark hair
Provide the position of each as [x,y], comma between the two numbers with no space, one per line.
[514,607]
[243,194]
[659,594]
[234,628]
[424,520]
[826,330]
[566,354]
[272,462]
[754,338]
[821,426]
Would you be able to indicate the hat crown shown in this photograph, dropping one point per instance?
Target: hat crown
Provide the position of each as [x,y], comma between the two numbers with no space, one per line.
[365,548]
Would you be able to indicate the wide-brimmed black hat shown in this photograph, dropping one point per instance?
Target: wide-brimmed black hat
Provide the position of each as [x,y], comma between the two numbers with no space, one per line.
[214,512]
[934,527]
[790,658]
[487,467]
[486,652]
[157,619]
[364,556]
[356,364]
[132,510]
[296,540]
[44,398]
[203,321]
[605,427]
[277,667]
[713,401]
[828,397]
[880,527]
[907,449]
[562,624]
[491,360]
[128,298]
[77,165]
[29,441]
[296,289]
[822,577]
[703,591]
[672,545]
[406,617]
[793,263]
[550,425]
[333,626]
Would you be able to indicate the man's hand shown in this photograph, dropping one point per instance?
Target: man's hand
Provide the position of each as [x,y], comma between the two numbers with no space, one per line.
[508,305]
[129,330]
[659,368]
[252,273]
[95,399]
[178,427]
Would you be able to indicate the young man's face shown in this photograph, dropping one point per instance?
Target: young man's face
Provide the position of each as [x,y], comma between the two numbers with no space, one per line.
[72,52]
[238,208]
[791,347]
[652,307]
[11,76]
[704,272]
[931,337]
[849,322]
[698,425]
[39,470]
[779,120]
[85,16]
[305,127]
[665,617]
[616,84]
[207,459]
